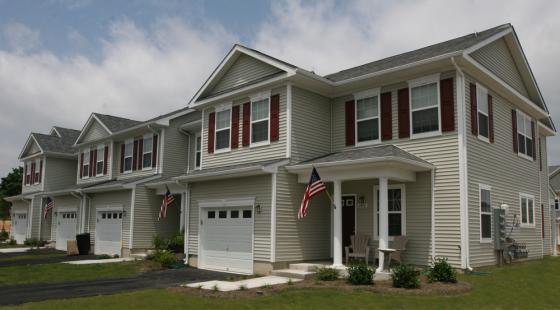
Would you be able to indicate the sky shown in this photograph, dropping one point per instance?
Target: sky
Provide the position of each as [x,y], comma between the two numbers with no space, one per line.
[60,60]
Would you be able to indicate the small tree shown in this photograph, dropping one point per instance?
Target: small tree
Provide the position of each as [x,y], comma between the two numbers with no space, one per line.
[10,185]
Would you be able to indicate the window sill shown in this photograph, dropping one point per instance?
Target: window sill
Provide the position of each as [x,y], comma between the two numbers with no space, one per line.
[529,226]
[483,139]
[425,135]
[486,241]
[220,151]
[259,144]
[526,157]
[148,168]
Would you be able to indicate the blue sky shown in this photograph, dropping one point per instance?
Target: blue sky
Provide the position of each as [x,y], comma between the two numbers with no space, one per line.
[60,60]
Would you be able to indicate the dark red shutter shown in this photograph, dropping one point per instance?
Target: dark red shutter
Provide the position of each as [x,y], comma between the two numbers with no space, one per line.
[91,162]
[490,119]
[514,129]
[274,118]
[154,150]
[122,157]
[140,164]
[386,117]
[404,113]
[26,178]
[235,127]
[534,141]
[105,159]
[94,163]
[447,105]
[33,173]
[135,155]
[246,138]
[41,170]
[474,110]
[81,165]
[211,131]
[350,123]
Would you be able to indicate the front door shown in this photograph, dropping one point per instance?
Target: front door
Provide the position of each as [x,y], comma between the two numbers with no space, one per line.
[348,218]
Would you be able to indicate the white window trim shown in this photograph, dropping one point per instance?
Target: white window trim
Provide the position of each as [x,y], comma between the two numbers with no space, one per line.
[487,188]
[127,142]
[363,95]
[425,80]
[403,209]
[148,136]
[253,100]
[196,151]
[218,109]
[260,96]
[37,172]
[531,197]
[28,173]
[525,116]
[484,91]
[86,163]
[100,159]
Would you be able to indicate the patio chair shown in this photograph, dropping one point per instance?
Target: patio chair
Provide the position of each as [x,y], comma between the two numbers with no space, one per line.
[399,244]
[358,248]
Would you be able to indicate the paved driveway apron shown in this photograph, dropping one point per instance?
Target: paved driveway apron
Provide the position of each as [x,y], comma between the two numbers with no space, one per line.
[11,295]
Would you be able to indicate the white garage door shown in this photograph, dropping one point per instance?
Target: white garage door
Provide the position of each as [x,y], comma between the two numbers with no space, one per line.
[65,228]
[20,227]
[108,232]
[227,239]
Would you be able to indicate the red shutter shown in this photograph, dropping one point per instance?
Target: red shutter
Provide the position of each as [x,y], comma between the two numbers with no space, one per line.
[26,178]
[41,170]
[514,129]
[140,164]
[474,110]
[135,155]
[154,150]
[91,162]
[386,117]
[235,127]
[81,165]
[404,113]
[534,141]
[490,119]
[447,105]
[350,123]
[105,159]
[246,139]
[33,173]
[274,118]
[211,131]
[122,157]
[94,162]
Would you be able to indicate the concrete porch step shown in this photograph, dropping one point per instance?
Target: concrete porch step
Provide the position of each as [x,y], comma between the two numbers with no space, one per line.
[309,267]
[292,273]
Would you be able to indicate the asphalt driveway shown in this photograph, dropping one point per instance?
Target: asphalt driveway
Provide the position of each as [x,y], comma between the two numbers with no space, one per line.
[19,294]
[11,259]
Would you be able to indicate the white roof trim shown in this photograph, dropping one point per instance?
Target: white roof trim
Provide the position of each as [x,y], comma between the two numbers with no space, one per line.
[26,145]
[88,124]
[397,159]
[488,41]
[56,131]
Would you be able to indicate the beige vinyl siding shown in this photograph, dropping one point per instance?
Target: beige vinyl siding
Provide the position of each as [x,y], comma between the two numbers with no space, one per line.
[95,132]
[146,224]
[258,187]
[111,199]
[508,174]
[497,58]
[59,173]
[311,125]
[36,216]
[300,240]
[61,202]
[244,70]
[176,152]
[246,154]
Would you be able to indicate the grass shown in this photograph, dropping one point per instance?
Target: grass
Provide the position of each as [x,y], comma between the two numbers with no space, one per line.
[52,273]
[531,285]
[31,257]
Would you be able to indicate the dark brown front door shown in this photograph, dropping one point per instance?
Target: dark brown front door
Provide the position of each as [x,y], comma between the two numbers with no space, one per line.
[348,218]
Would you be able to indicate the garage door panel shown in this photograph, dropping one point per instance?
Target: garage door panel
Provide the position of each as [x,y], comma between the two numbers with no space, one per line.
[20,227]
[65,228]
[108,232]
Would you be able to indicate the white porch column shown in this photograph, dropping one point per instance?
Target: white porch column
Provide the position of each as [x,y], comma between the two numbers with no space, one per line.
[337,225]
[383,221]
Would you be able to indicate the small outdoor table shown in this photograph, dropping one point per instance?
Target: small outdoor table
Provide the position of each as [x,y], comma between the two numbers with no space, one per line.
[387,259]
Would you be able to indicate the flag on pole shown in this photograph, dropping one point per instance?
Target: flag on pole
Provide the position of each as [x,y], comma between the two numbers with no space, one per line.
[48,206]
[167,200]
[314,188]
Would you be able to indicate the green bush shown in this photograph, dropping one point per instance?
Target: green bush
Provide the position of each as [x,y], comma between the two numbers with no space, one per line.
[327,274]
[174,244]
[441,271]
[160,243]
[164,257]
[360,274]
[12,242]
[33,242]
[405,276]
[104,256]
[4,235]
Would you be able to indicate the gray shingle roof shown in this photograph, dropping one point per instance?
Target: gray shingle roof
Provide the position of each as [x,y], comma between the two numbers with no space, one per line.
[49,143]
[551,169]
[68,134]
[115,123]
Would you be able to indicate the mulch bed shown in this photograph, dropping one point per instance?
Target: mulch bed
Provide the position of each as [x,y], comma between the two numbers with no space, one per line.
[426,288]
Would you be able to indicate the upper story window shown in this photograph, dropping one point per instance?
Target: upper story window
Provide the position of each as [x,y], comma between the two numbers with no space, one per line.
[198,151]
[260,117]
[147,151]
[37,172]
[556,205]
[128,146]
[425,106]
[524,135]
[223,129]
[99,165]
[485,201]
[367,117]
[527,209]
[85,164]
[27,173]
[483,114]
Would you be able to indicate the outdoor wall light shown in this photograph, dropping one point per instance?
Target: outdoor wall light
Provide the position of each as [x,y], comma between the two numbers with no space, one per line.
[258,209]
[124,213]
[362,202]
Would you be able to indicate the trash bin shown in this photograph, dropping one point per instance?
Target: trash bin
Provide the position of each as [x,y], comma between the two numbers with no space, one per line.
[84,245]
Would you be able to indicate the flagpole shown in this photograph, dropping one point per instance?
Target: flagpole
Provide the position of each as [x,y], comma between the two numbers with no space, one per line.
[327,191]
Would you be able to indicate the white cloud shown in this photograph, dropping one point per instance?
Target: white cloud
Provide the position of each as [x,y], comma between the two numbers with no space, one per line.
[20,37]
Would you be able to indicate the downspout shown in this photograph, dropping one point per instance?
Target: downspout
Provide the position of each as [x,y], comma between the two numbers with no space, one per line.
[186,203]
[463,176]
[433,211]
[82,212]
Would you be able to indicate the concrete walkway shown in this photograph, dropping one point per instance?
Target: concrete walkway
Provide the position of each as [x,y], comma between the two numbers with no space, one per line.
[226,286]
[100,261]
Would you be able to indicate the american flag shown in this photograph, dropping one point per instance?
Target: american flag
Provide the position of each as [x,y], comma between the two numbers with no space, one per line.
[167,200]
[48,206]
[314,188]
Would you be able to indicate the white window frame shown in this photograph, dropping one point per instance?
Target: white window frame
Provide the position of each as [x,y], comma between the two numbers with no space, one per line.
[148,136]
[525,118]
[365,95]
[37,172]
[85,164]
[425,80]
[217,110]
[126,143]
[197,150]
[482,92]
[256,98]
[488,188]
[27,173]
[527,197]
[402,187]
[100,159]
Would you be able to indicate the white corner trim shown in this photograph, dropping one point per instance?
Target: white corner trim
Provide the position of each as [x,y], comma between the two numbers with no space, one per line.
[289,120]
[186,215]
[433,213]
[367,93]
[131,217]
[161,148]
[273,220]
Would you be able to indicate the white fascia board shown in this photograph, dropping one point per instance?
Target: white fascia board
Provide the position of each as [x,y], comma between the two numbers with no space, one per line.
[546,130]
[488,41]
[88,123]
[422,166]
[26,145]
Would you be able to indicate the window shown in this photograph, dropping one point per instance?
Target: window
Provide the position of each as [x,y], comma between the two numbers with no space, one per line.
[128,155]
[483,116]
[424,106]
[556,207]
[524,135]
[198,151]
[100,160]
[222,214]
[247,214]
[85,167]
[397,211]
[260,115]
[234,214]
[28,173]
[223,129]
[367,118]
[37,171]
[147,152]
[527,210]
[485,201]
[211,214]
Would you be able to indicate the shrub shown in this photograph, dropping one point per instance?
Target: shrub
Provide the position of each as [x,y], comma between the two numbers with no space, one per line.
[174,244]
[104,256]
[165,258]
[160,243]
[327,274]
[442,271]
[405,276]
[33,242]
[4,235]
[360,274]
[12,242]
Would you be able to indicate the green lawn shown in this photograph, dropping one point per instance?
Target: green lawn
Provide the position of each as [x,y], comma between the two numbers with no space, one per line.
[51,273]
[31,256]
[531,285]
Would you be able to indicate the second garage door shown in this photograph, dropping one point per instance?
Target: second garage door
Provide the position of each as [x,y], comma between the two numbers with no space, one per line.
[108,228]
[65,228]
[19,227]
[227,239]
